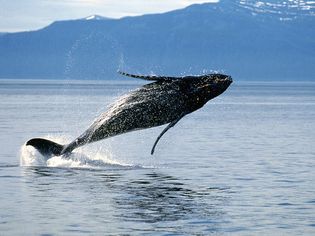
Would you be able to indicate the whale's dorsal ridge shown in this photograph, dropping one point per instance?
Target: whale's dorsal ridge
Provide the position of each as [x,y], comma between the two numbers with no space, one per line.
[150,77]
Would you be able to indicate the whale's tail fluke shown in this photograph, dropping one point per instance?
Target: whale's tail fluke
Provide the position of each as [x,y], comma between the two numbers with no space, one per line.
[46,147]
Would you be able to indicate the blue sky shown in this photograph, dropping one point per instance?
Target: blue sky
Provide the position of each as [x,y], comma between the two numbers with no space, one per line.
[17,15]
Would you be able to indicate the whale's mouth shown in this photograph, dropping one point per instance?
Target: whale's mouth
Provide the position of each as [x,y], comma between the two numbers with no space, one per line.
[229,79]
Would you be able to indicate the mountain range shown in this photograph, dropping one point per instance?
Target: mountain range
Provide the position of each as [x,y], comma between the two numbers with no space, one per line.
[250,40]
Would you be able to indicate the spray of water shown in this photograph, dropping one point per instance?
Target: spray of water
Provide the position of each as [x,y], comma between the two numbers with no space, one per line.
[82,158]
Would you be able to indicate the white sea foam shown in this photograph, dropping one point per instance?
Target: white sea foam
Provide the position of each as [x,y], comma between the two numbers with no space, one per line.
[80,158]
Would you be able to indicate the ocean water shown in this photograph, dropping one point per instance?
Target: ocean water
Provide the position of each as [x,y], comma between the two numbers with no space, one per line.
[242,165]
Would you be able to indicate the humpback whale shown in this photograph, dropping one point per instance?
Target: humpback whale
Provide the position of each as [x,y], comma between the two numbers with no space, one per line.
[164,101]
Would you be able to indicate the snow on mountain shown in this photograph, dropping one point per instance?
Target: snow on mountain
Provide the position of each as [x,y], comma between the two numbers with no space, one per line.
[95,17]
[283,9]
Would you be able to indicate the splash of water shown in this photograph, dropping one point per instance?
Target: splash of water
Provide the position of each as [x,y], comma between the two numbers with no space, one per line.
[81,158]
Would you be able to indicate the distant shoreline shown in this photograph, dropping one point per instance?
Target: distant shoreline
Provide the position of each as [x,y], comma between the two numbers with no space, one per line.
[138,81]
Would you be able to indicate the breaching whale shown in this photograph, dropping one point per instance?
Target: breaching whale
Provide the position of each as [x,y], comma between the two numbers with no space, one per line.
[164,101]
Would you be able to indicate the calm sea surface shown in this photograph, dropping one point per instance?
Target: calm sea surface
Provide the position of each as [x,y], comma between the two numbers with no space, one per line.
[242,165]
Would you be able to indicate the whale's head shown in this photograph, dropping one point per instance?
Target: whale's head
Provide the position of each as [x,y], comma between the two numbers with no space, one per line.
[219,80]
[203,88]
[213,85]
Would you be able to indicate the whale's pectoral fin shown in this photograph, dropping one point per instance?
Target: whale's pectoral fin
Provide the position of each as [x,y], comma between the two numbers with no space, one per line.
[46,147]
[170,125]
[150,77]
